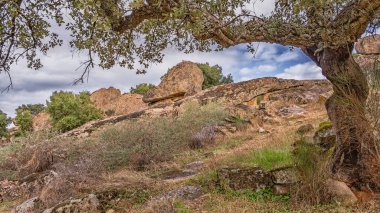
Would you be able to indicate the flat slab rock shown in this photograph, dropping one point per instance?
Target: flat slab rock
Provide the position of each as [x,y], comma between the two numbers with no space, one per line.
[184,193]
[253,178]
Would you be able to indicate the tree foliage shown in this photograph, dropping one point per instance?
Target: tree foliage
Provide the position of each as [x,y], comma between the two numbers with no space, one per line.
[69,110]
[24,120]
[142,88]
[4,121]
[213,76]
[34,109]
[123,32]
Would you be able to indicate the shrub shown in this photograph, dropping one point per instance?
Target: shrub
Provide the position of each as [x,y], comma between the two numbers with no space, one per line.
[140,143]
[206,135]
[69,110]
[142,88]
[213,76]
[24,120]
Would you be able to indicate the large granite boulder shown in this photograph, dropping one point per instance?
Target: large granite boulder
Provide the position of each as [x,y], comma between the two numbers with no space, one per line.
[112,102]
[185,79]
[104,99]
[368,45]
[129,103]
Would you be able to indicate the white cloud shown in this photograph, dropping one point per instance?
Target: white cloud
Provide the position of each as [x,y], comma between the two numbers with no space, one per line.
[287,56]
[266,68]
[302,71]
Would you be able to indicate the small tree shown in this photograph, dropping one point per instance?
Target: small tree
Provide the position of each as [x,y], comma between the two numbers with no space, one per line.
[4,121]
[214,76]
[69,110]
[34,109]
[142,88]
[24,119]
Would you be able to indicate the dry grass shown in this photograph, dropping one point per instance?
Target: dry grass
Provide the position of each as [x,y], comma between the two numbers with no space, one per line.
[141,143]
[312,170]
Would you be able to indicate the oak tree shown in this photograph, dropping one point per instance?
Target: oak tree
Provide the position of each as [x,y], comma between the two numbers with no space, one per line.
[130,32]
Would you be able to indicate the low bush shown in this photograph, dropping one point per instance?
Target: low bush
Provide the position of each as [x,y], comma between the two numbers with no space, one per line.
[140,143]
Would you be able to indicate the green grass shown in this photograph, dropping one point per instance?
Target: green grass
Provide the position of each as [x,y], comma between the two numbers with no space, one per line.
[261,195]
[267,158]
[180,207]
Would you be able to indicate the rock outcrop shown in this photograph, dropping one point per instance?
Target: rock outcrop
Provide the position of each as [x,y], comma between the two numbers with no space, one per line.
[112,102]
[368,45]
[41,122]
[252,92]
[185,79]
[242,98]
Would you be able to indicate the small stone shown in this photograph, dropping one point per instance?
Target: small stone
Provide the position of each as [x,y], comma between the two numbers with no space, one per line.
[325,137]
[185,193]
[262,130]
[285,176]
[195,165]
[341,192]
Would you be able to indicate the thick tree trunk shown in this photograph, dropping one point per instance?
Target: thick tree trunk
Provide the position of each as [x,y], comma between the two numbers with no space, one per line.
[356,158]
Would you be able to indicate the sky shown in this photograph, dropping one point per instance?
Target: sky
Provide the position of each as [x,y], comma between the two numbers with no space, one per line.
[59,71]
